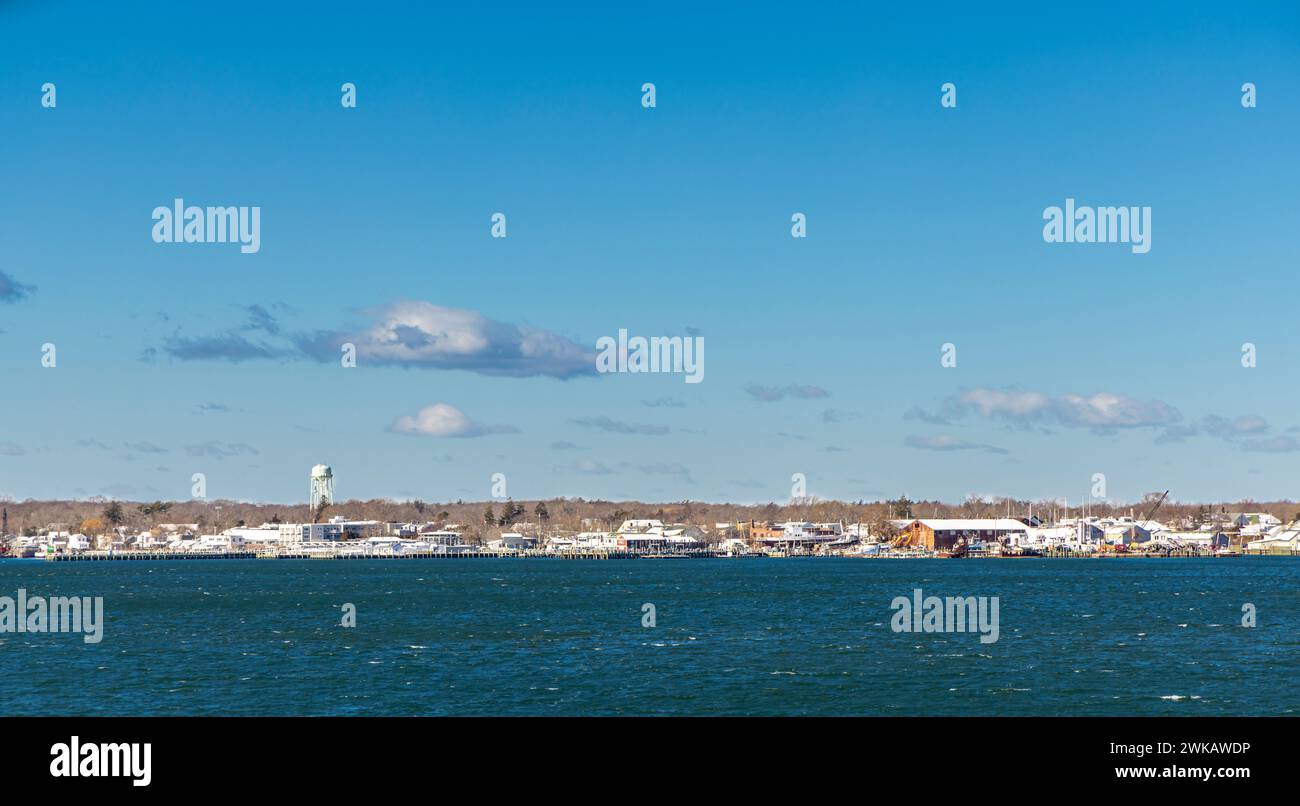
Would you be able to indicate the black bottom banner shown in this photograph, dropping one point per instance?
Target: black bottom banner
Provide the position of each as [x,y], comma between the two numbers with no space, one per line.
[337,755]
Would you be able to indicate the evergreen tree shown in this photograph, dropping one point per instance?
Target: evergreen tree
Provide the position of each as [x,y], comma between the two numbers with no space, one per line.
[113,514]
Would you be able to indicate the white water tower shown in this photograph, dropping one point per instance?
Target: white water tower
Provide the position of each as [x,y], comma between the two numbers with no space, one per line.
[322,485]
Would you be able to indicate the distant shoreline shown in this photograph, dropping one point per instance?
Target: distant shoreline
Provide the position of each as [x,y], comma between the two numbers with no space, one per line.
[488,555]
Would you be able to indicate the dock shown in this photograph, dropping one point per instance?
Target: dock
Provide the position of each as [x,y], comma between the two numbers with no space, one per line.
[96,556]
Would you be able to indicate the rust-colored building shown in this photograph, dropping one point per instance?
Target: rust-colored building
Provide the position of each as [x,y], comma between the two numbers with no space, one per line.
[939,534]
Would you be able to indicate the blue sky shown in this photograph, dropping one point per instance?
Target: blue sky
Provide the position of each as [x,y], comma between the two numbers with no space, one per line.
[924,227]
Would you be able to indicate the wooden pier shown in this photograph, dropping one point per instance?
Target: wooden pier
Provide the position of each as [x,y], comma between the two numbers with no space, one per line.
[91,556]
[378,555]
[353,554]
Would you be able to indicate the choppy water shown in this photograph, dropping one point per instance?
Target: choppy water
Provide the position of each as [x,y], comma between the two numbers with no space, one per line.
[754,636]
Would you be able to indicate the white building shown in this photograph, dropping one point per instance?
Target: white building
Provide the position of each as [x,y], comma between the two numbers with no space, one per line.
[264,535]
[1258,519]
[641,527]
[859,531]
[512,541]
[221,542]
[446,542]
[1286,541]
[595,540]
[653,535]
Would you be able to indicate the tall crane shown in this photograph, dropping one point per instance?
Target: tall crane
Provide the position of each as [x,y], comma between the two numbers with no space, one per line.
[1147,517]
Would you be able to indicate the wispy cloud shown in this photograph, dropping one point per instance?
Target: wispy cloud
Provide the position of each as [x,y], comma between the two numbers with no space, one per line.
[771,394]
[836,416]
[1224,428]
[603,423]
[918,413]
[1102,411]
[1246,431]
[444,420]
[259,319]
[12,449]
[590,467]
[232,347]
[949,443]
[221,450]
[12,291]
[666,469]
[1280,443]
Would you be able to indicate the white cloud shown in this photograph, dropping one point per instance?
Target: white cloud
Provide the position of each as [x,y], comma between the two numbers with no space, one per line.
[1105,410]
[1011,403]
[443,420]
[421,334]
[1101,411]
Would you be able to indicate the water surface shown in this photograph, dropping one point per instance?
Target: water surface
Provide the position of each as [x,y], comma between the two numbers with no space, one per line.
[753,636]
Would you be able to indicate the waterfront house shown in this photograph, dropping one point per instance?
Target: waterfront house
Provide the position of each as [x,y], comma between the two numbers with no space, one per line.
[446,542]
[1285,541]
[220,543]
[800,536]
[512,541]
[684,535]
[1125,532]
[653,535]
[595,540]
[1260,520]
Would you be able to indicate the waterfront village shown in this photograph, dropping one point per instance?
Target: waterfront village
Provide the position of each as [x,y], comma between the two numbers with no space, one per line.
[624,534]
[339,537]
